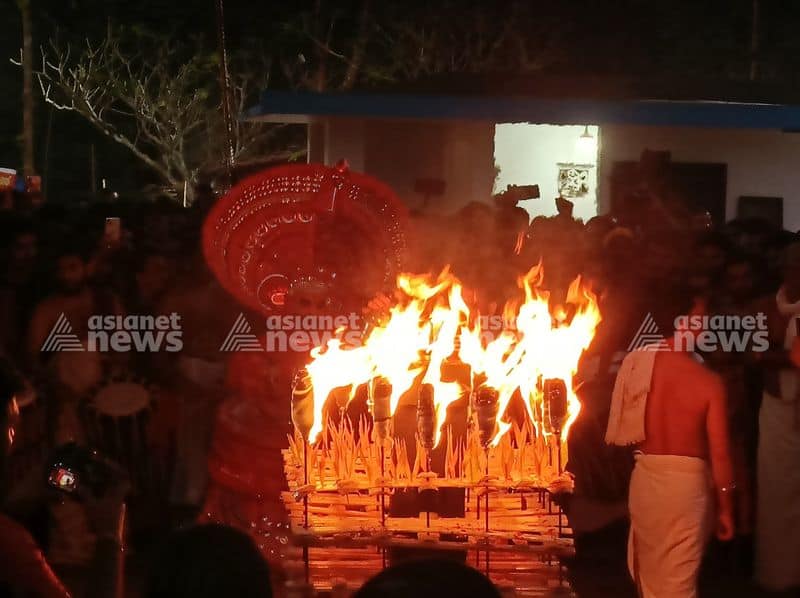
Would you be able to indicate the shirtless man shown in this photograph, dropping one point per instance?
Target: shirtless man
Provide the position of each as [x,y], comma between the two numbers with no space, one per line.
[68,376]
[72,372]
[683,454]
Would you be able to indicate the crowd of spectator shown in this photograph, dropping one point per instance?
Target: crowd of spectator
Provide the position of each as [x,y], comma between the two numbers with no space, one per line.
[60,259]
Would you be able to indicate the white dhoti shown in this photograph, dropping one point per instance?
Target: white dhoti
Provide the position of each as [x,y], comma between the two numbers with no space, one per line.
[778,515]
[671,510]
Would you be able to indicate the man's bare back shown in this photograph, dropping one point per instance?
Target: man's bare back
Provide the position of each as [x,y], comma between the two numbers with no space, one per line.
[678,404]
[687,415]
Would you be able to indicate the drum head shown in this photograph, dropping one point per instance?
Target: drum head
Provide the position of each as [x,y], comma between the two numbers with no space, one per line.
[121,399]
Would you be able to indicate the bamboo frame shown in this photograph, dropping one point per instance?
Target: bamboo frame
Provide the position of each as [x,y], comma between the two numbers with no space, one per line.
[507,505]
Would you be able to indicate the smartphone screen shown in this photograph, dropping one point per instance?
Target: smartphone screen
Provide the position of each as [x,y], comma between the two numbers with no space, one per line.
[63,479]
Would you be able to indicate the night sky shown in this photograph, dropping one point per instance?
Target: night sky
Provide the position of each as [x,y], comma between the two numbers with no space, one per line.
[631,38]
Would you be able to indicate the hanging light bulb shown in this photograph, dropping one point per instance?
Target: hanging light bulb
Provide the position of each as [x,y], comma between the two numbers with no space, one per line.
[586,142]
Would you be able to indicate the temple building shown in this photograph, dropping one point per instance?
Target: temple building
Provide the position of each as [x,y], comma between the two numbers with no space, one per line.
[732,149]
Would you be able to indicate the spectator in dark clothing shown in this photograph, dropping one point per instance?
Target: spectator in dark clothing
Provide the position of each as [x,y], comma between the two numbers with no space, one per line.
[209,561]
[19,289]
[24,566]
[429,579]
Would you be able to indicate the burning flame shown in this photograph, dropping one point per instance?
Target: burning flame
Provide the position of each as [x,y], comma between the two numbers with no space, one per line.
[433,324]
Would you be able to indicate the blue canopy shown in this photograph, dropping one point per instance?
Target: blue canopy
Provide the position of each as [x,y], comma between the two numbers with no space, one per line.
[286,106]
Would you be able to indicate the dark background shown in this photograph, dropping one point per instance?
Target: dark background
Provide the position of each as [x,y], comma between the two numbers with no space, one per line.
[634,39]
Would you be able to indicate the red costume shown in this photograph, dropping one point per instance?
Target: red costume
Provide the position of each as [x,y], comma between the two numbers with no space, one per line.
[293,240]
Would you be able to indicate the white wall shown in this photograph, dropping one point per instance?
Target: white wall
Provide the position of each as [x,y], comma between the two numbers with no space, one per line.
[760,162]
[345,139]
[529,154]
[398,152]
[468,163]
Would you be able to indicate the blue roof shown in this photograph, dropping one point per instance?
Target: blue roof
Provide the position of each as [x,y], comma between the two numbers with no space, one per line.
[282,106]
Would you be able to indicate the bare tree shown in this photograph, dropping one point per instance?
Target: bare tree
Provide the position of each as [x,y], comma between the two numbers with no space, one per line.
[159,97]
[156,97]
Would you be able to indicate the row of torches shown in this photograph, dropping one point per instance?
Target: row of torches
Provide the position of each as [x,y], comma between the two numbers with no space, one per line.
[484,406]
[421,337]
[430,331]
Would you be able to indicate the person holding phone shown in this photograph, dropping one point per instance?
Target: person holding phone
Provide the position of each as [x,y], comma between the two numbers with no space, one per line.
[25,569]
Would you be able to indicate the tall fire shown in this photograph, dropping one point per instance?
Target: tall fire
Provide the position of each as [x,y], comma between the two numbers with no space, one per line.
[432,328]
[346,474]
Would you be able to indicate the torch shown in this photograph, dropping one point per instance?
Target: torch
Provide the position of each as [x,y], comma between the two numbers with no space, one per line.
[426,419]
[426,425]
[555,410]
[486,408]
[303,419]
[380,399]
[302,402]
[555,416]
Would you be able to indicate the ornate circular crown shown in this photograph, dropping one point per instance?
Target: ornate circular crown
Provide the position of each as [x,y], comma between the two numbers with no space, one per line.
[304,227]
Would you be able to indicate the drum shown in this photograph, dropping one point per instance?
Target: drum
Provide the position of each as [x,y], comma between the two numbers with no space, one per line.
[117,413]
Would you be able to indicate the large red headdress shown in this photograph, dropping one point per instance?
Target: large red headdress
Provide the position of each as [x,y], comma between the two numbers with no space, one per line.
[305,226]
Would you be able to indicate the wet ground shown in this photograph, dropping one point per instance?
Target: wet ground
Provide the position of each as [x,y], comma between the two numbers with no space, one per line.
[600,570]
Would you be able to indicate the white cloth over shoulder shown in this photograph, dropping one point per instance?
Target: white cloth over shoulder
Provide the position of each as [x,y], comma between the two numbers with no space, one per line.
[672,508]
[629,399]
